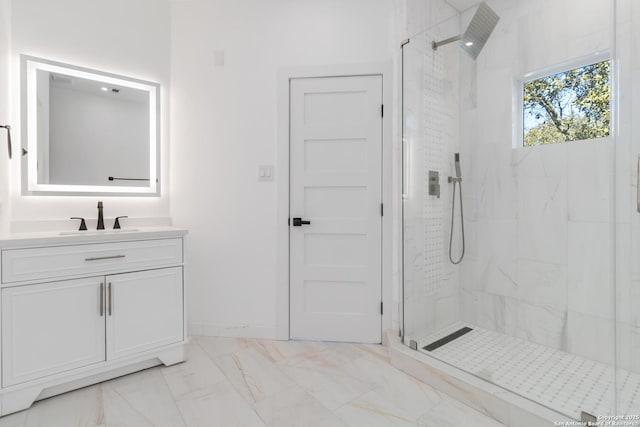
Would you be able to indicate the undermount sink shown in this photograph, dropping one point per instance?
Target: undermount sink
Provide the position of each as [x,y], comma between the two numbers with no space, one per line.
[98,232]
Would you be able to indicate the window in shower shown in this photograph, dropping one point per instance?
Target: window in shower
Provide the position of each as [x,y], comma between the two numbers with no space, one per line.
[569,105]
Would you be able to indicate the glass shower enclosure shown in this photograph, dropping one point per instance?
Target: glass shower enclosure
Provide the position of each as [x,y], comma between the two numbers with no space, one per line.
[531,120]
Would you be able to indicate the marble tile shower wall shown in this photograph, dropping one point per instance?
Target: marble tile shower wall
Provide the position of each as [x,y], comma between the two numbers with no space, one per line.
[431,137]
[538,219]
[627,217]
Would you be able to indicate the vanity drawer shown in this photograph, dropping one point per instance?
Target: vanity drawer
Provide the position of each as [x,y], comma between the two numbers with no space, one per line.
[64,261]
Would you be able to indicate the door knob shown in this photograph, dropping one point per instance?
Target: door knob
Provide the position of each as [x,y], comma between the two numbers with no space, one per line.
[298,222]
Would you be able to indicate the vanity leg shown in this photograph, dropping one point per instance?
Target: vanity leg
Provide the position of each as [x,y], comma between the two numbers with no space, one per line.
[19,400]
[172,356]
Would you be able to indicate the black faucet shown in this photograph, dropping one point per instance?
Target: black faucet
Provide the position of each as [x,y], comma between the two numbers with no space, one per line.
[116,224]
[100,217]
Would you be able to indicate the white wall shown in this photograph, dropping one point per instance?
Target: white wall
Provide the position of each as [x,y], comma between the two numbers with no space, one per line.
[224,124]
[5,112]
[124,37]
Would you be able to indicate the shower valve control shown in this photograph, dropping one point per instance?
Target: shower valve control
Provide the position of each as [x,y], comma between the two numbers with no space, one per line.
[434,183]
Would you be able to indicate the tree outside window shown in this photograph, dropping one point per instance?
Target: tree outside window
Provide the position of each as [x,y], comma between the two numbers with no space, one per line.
[568,106]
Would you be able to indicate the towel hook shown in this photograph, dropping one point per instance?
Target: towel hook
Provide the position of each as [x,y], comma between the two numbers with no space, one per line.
[8,128]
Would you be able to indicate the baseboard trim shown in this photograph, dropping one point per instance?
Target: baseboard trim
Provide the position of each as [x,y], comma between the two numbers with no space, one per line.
[232,330]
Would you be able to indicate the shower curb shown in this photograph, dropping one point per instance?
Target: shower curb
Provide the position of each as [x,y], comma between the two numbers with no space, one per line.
[495,402]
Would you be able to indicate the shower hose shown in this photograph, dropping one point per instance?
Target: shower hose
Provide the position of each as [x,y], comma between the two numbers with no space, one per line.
[453,209]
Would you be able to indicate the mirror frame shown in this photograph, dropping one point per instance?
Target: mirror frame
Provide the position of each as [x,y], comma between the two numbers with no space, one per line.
[29,131]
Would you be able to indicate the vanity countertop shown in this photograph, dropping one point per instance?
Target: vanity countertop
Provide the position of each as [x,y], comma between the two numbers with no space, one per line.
[58,238]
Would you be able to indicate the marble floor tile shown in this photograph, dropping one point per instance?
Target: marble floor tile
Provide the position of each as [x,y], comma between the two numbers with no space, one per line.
[403,391]
[230,382]
[122,412]
[82,407]
[145,396]
[330,356]
[374,351]
[451,413]
[331,386]
[343,352]
[253,376]
[294,408]
[219,405]
[373,410]
[15,420]
[280,351]
[197,373]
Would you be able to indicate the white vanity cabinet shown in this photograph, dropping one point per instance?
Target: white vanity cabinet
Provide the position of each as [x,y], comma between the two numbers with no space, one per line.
[144,311]
[50,328]
[87,310]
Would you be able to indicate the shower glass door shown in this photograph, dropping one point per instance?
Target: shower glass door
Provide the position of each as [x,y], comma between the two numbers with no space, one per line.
[532,306]
[431,297]
[628,209]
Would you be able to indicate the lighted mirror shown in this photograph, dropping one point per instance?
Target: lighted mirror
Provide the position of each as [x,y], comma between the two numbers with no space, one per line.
[87,132]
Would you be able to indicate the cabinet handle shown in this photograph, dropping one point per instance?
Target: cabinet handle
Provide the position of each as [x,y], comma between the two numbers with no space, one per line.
[101,299]
[110,299]
[104,257]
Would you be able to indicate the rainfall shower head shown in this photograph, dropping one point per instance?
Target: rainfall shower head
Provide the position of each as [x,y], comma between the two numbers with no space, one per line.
[474,38]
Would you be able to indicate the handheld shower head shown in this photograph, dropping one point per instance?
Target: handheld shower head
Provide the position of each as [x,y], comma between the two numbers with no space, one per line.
[456,181]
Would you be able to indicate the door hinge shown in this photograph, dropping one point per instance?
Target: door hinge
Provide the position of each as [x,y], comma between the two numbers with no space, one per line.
[289,221]
[382,110]
[381,209]
[381,308]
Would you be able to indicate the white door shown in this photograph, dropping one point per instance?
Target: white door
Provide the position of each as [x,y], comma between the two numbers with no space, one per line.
[336,185]
[50,328]
[144,311]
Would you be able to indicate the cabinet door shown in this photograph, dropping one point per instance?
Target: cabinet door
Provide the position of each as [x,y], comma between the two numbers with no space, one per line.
[144,311]
[50,328]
